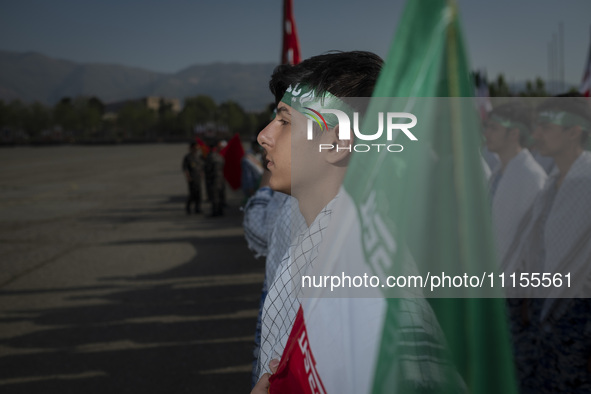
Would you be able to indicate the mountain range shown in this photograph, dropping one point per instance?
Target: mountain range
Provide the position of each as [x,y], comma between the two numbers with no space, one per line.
[33,76]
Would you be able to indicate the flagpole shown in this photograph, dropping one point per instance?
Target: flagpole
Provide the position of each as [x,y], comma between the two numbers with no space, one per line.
[561,55]
[548,81]
[456,121]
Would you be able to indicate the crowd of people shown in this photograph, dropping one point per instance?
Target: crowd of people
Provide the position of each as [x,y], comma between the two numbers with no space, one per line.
[539,177]
[540,188]
[542,225]
[199,166]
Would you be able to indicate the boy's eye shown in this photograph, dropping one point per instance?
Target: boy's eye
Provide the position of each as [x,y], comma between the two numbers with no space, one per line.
[283,122]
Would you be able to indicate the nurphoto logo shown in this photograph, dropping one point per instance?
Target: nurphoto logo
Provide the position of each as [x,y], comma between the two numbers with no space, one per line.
[393,122]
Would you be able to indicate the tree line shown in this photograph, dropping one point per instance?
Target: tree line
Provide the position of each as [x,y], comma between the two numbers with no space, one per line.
[499,87]
[88,119]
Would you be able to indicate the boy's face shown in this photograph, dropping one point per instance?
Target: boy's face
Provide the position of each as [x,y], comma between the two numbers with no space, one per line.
[550,139]
[495,136]
[282,136]
[276,141]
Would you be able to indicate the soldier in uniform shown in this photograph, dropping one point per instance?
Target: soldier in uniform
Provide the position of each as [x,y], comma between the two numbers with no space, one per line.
[214,174]
[193,170]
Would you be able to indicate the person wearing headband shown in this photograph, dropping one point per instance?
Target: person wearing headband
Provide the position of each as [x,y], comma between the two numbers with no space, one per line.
[518,179]
[514,185]
[308,157]
[556,320]
[563,126]
[298,169]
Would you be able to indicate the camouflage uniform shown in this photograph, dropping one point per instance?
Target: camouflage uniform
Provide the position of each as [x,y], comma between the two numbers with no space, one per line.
[214,177]
[193,166]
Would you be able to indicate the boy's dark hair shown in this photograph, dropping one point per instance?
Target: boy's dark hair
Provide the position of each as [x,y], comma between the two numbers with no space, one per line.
[192,145]
[573,103]
[516,112]
[343,74]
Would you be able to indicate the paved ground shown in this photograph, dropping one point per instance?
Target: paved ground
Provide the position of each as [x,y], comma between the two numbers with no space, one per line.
[106,286]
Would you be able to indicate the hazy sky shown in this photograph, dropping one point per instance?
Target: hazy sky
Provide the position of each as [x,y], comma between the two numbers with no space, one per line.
[502,36]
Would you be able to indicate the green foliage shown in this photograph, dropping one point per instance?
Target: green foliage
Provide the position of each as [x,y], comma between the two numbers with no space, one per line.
[198,110]
[534,89]
[135,120]
[167,119]
[38,119]
[81,116]
[97,104]
[232,116]
[499,88]
[84,119]
[64,115]
[15,115]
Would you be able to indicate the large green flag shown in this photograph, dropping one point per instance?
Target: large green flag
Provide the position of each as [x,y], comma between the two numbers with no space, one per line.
[432,197]
[413,209]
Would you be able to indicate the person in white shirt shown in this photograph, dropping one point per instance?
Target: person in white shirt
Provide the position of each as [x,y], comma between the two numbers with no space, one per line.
[316,178]
[517,180]
[553,322]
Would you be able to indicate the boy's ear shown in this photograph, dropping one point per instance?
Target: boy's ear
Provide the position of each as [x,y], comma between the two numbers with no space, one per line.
[341,150]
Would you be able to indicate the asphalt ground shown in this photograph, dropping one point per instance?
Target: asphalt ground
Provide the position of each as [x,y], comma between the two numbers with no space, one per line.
[107,286]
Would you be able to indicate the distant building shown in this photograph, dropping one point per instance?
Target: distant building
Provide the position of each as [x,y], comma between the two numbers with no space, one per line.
[151,102]
[155,102]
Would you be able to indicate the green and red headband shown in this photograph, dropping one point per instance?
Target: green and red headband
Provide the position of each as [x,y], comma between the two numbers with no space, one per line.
[509,124]
[309,103]
[564,119]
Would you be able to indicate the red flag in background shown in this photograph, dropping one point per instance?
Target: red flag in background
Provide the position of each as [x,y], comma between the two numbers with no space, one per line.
[233,153]
[203,145]
[482,94]
[585,88]
[291,45]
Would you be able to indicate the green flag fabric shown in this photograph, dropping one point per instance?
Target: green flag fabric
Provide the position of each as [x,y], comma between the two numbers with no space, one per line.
[413,209]
[436,202]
